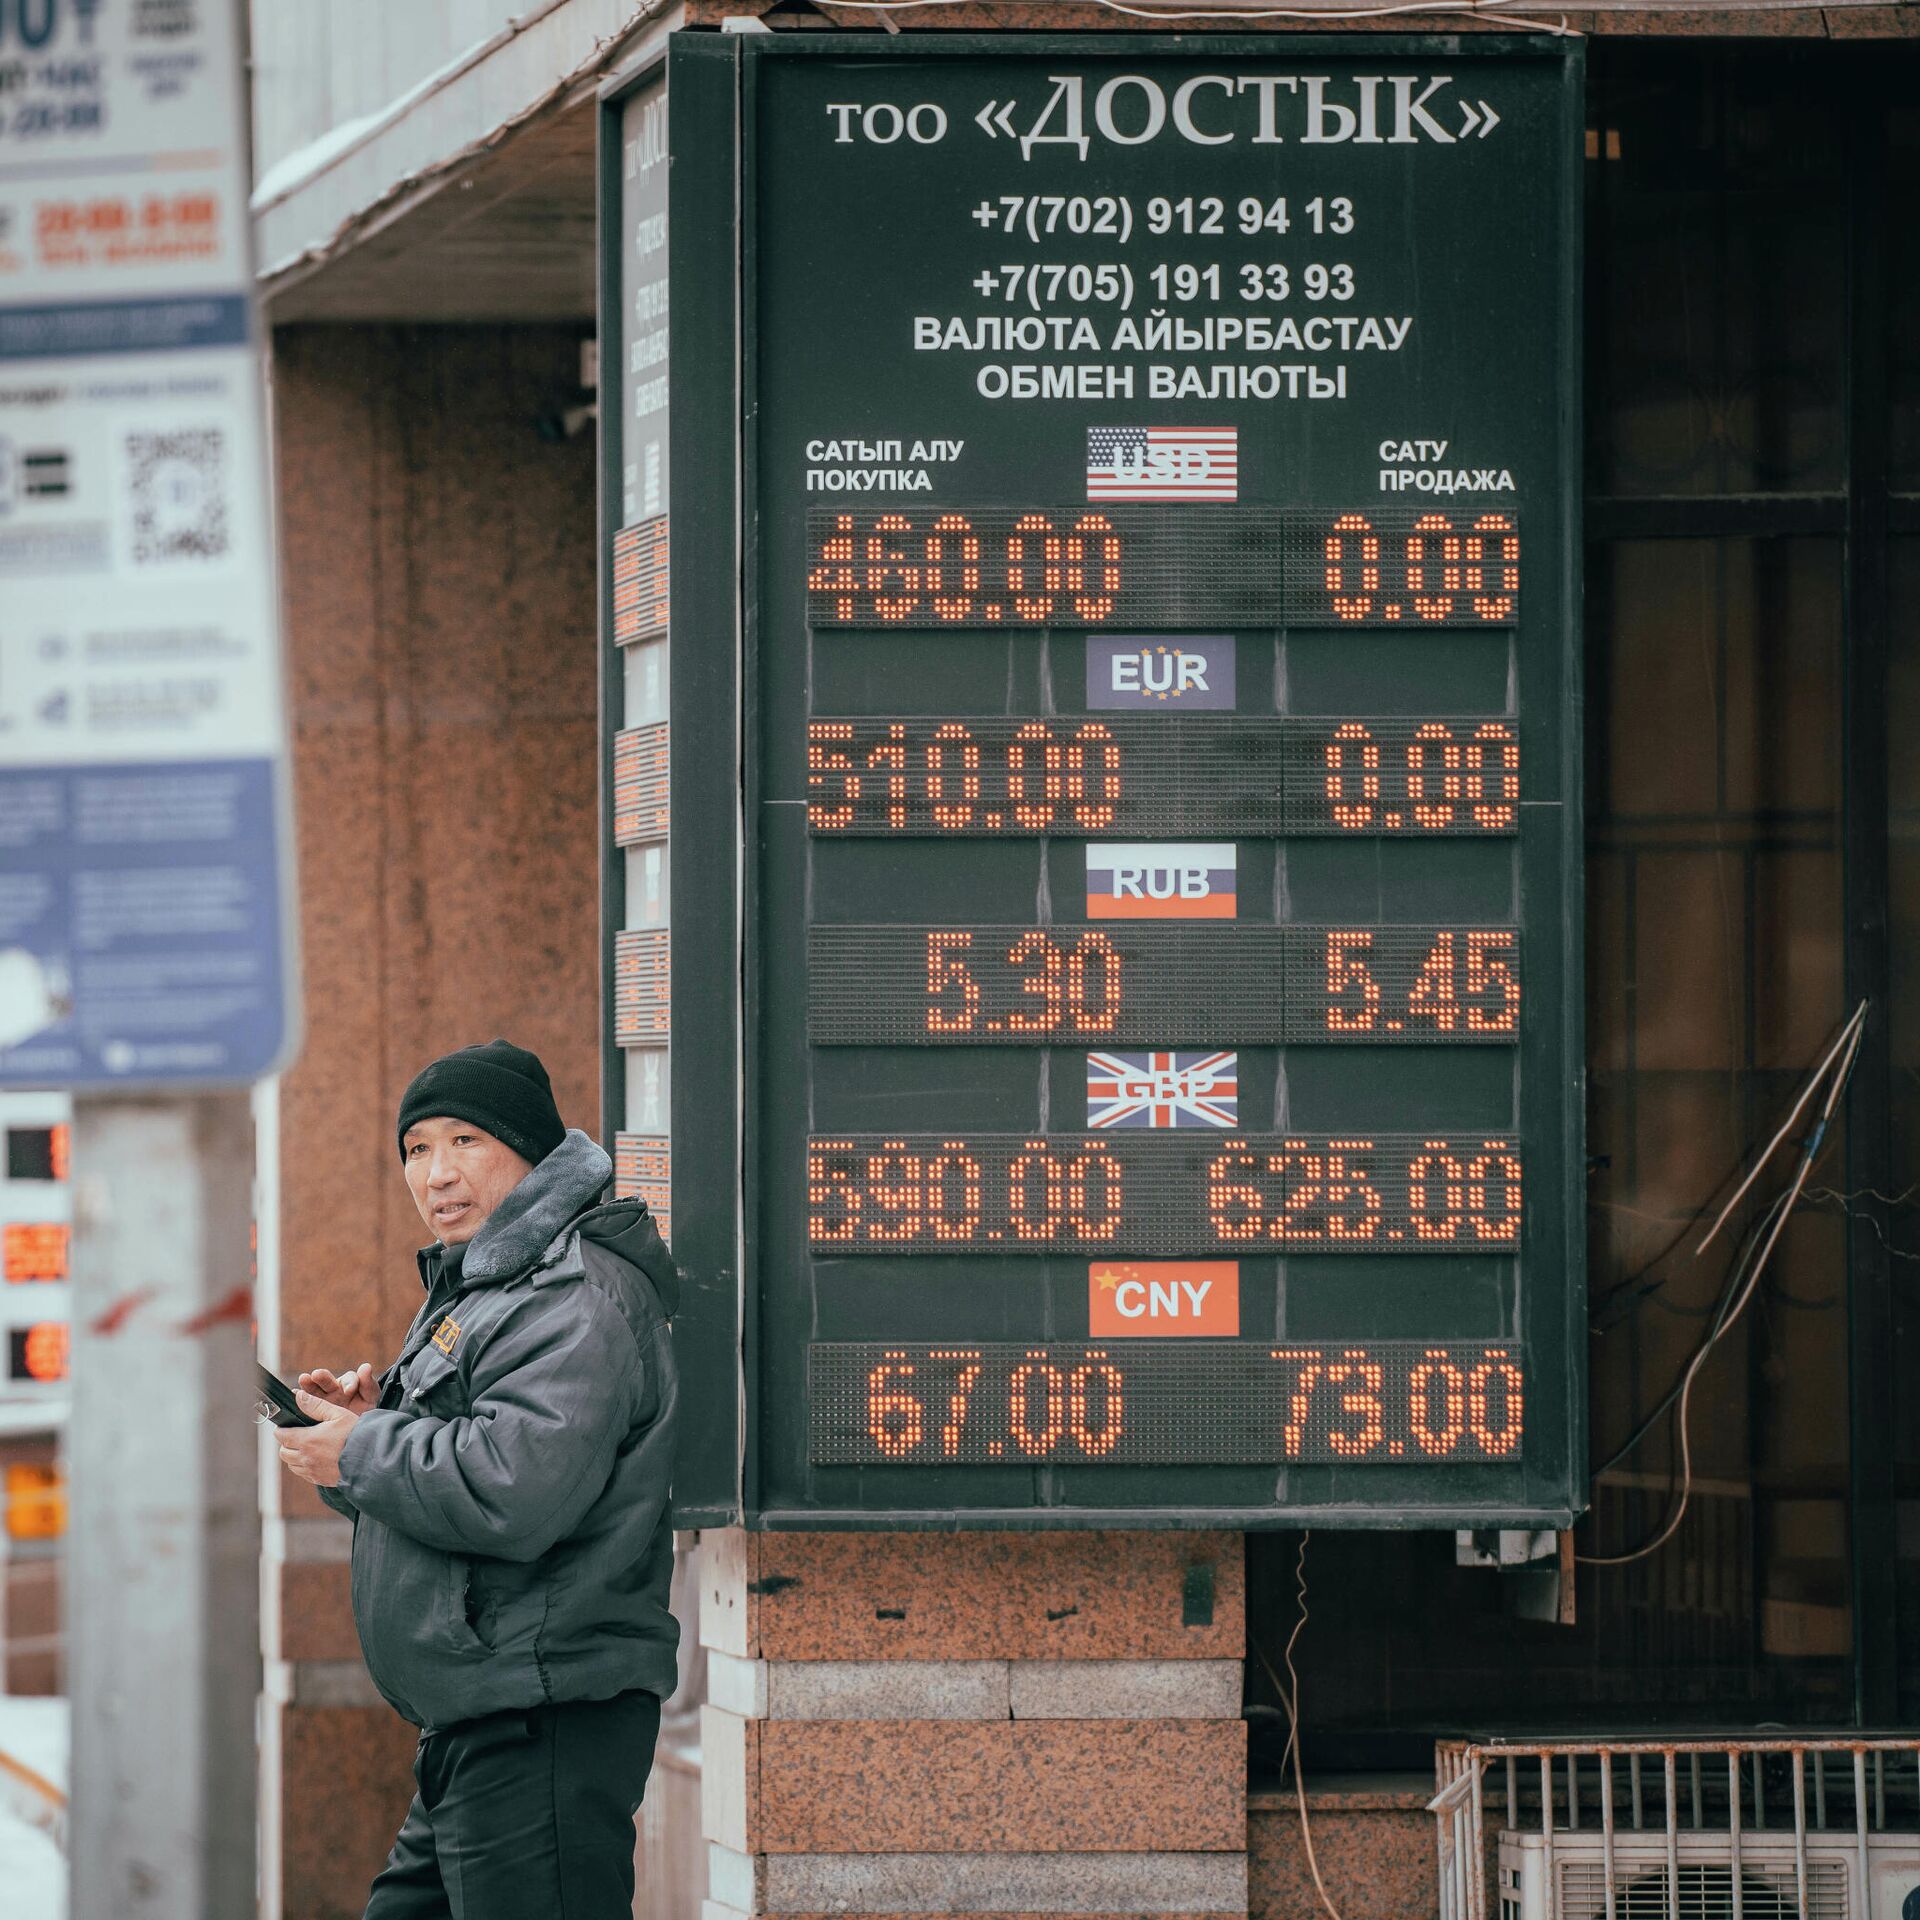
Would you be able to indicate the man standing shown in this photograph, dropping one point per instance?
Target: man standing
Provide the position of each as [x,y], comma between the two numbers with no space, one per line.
[507,1478]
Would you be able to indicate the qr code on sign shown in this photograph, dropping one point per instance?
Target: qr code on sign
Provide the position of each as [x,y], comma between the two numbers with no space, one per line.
[177,491]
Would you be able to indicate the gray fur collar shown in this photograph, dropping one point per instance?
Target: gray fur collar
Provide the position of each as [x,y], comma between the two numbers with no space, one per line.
[521,1228]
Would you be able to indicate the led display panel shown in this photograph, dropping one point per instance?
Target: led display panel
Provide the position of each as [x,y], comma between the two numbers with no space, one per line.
[1152,472]
[37,1153]
[1132,1193]
[1166,1403]
[38,1353]
[34,1250]
[1172,566]
[1147,985]
[942,778]
[35,1500]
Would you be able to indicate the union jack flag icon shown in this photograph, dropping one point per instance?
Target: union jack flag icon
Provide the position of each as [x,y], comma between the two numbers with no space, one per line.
[1163,1089]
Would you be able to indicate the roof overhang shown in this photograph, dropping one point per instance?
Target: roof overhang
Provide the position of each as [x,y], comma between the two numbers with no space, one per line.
[469,199]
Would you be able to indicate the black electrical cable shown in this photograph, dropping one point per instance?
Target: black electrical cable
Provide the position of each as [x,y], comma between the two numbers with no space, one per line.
[1810,1152]
[1735,1274]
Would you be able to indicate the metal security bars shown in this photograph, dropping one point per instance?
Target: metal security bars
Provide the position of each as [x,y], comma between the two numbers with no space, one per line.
[1749,1829]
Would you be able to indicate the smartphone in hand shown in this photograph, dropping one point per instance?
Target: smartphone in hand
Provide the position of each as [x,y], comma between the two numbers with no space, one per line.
[277,1402]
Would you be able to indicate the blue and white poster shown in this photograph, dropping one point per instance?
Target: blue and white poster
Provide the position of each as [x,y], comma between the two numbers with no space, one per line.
[144,891]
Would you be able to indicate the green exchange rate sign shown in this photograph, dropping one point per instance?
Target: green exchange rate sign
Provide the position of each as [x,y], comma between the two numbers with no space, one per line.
[1161,757]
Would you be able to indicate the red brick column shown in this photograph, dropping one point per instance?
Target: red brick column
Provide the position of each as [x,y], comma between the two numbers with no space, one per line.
[977,1723]
[438,564]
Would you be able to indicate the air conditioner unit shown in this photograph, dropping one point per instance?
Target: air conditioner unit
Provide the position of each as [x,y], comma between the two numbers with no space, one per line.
[1566,1878]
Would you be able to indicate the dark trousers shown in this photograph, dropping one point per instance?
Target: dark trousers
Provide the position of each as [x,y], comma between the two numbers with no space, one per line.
[524,1816]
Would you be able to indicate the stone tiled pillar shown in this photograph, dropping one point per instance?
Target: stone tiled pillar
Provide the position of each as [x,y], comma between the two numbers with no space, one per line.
[437,558]
[1373,1842]
[974,1723]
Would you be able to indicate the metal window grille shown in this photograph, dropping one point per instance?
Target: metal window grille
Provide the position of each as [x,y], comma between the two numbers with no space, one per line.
[1737,1829]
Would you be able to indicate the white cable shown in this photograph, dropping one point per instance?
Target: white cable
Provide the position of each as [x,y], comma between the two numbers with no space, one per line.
[1289,1692]
[1855,1026]
[1806,1093]
[1484,8]
[1317,13]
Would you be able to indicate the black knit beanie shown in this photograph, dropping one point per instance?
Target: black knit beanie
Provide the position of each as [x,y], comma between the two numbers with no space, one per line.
[501,1088]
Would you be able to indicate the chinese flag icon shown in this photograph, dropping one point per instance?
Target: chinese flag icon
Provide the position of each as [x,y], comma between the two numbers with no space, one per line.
[1162,1298]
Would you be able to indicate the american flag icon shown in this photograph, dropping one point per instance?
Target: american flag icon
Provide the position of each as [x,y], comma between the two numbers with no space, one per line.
[1163,463]
[1163,1089]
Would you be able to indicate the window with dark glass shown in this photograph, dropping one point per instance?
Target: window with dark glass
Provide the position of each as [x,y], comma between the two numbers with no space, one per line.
[1753,863]
[34,1153]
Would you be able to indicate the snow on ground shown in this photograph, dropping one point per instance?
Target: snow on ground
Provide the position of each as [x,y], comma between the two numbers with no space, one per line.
[33,1870]
[34,1732]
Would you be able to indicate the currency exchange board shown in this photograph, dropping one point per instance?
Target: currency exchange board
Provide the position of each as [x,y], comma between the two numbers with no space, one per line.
[1158,717]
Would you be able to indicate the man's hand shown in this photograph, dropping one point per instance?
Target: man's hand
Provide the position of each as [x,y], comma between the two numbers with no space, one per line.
[355,1389]
[314,1452]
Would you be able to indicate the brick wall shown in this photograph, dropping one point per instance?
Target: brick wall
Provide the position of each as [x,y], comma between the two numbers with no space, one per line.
[981,1723]
[32,1572]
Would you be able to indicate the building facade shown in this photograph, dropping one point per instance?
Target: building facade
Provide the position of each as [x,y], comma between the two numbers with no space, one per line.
[35,1228]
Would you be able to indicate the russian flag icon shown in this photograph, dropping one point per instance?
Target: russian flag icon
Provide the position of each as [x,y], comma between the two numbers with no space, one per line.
[1162,880]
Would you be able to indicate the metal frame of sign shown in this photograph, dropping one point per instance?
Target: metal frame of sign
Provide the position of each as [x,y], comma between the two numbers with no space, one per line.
[719,997]
[704,1128]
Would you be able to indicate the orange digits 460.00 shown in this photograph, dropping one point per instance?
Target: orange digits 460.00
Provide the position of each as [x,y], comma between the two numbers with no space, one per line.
[898,571]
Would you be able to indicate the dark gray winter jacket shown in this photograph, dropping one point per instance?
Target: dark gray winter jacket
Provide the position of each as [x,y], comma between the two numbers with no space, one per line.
[511,1540]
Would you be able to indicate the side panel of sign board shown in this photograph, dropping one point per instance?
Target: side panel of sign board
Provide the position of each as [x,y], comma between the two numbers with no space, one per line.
[670,723]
